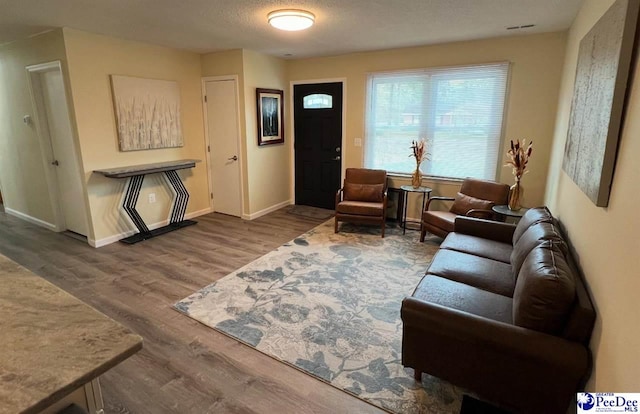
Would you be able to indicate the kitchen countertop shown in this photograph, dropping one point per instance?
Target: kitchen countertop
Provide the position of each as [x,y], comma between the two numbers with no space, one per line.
[52,343]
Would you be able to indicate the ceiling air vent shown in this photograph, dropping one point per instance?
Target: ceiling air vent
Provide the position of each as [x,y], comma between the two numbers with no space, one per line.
[524,26]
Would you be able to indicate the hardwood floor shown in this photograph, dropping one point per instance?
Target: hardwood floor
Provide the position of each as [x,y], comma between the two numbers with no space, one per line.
[184,366]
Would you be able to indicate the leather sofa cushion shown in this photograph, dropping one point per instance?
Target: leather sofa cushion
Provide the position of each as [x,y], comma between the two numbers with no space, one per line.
[465,298]
[486,274]
[364,192]
[442,219]
[360,208]
[545,290]
[535,234]
[463,203]
[478,246]
[532,216]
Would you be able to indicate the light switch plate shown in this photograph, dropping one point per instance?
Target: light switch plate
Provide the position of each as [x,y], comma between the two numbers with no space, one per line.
[357,142]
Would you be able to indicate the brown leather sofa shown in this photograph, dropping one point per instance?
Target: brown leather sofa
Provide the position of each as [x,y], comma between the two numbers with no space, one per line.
[504,313]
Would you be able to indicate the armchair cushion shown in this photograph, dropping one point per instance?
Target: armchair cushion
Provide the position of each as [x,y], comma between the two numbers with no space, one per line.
[363,192]
[545,290]
[444,220]
[360,208]
[463,203]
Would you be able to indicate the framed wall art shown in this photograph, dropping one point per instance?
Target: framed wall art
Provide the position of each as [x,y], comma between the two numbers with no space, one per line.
[602,72]
[270,116]
[147,113]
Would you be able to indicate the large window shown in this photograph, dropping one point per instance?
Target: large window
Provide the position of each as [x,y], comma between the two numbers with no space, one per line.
[457,110]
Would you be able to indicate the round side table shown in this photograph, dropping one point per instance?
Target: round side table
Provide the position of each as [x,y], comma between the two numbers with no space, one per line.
[504,211]
[406,189]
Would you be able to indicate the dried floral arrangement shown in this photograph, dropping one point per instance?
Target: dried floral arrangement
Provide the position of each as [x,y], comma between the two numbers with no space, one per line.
[419,150]
[518,157]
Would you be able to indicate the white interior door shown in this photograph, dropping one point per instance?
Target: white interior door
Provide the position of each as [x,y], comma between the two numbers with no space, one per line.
[222,129]
[68,175]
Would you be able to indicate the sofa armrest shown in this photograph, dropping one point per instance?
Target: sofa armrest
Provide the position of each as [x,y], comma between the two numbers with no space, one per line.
[486,229]
[548,354]
[481,213]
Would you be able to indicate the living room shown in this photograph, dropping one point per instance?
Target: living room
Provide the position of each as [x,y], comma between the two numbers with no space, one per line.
[538,107]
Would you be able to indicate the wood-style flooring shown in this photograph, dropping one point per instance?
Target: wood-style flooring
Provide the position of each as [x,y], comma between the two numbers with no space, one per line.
[184,366]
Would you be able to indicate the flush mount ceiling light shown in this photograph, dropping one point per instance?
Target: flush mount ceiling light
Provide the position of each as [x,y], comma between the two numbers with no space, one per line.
[291,19]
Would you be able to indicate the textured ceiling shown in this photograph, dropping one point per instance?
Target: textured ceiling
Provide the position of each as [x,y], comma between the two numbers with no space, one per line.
[341,26]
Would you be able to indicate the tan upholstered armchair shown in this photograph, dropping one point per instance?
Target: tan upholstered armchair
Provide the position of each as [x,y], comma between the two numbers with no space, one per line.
[475,199]
[363,198]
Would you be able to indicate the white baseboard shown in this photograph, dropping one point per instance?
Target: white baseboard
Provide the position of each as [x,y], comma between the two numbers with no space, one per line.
[30,219]
[112,239]
[266,210]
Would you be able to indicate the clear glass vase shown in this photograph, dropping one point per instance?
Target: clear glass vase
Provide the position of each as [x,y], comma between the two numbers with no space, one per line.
[416,177]
[515,196]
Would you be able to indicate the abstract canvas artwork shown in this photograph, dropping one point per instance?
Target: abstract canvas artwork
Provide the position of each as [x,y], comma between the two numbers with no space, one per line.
[604,58]
[147,113]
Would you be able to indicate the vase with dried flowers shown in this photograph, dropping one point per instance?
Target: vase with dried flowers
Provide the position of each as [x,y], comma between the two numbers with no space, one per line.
[420,154]
[517,159]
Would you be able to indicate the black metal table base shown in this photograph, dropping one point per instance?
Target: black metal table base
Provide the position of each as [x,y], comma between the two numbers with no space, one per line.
[138,237]
[176,221]
[405,202]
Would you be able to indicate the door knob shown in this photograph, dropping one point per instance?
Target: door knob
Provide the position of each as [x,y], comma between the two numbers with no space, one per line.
[338,149]
[55,162]
[337,158]
[234,158]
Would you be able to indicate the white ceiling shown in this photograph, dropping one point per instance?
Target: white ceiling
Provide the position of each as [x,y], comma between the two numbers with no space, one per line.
[342,26]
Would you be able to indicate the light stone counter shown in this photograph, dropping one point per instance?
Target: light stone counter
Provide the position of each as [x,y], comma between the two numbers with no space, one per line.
[50,342]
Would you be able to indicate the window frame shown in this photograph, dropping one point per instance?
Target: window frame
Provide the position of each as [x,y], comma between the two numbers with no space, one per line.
[427,129]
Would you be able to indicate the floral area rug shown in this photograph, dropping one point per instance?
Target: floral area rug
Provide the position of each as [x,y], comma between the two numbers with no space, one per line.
[329,305]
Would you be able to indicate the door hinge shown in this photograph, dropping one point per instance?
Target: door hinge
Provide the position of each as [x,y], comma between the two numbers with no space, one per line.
[205,98]
[211,194]
[208,148]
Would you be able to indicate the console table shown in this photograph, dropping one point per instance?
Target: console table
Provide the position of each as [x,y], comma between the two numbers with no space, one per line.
[136,174]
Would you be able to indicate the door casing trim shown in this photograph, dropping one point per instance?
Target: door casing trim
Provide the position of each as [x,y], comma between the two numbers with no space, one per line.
[292,183]
[46,144]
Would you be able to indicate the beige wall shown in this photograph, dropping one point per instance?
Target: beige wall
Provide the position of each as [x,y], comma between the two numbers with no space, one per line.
[266,169]
[92,58]
[231,62]
[606,239]
[269,166]
[22,164]
[531,106]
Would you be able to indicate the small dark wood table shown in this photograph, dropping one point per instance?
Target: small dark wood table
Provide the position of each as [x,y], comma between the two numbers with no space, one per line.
[136,174]
[504,211]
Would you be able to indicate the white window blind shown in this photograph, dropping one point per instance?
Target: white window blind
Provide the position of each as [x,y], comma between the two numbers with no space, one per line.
[457,110]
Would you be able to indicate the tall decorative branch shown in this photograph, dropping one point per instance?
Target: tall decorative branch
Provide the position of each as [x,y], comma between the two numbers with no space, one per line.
[518,158]
[419,149]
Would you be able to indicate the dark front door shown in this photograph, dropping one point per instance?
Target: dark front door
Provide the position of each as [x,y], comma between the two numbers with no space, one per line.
[317,114]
